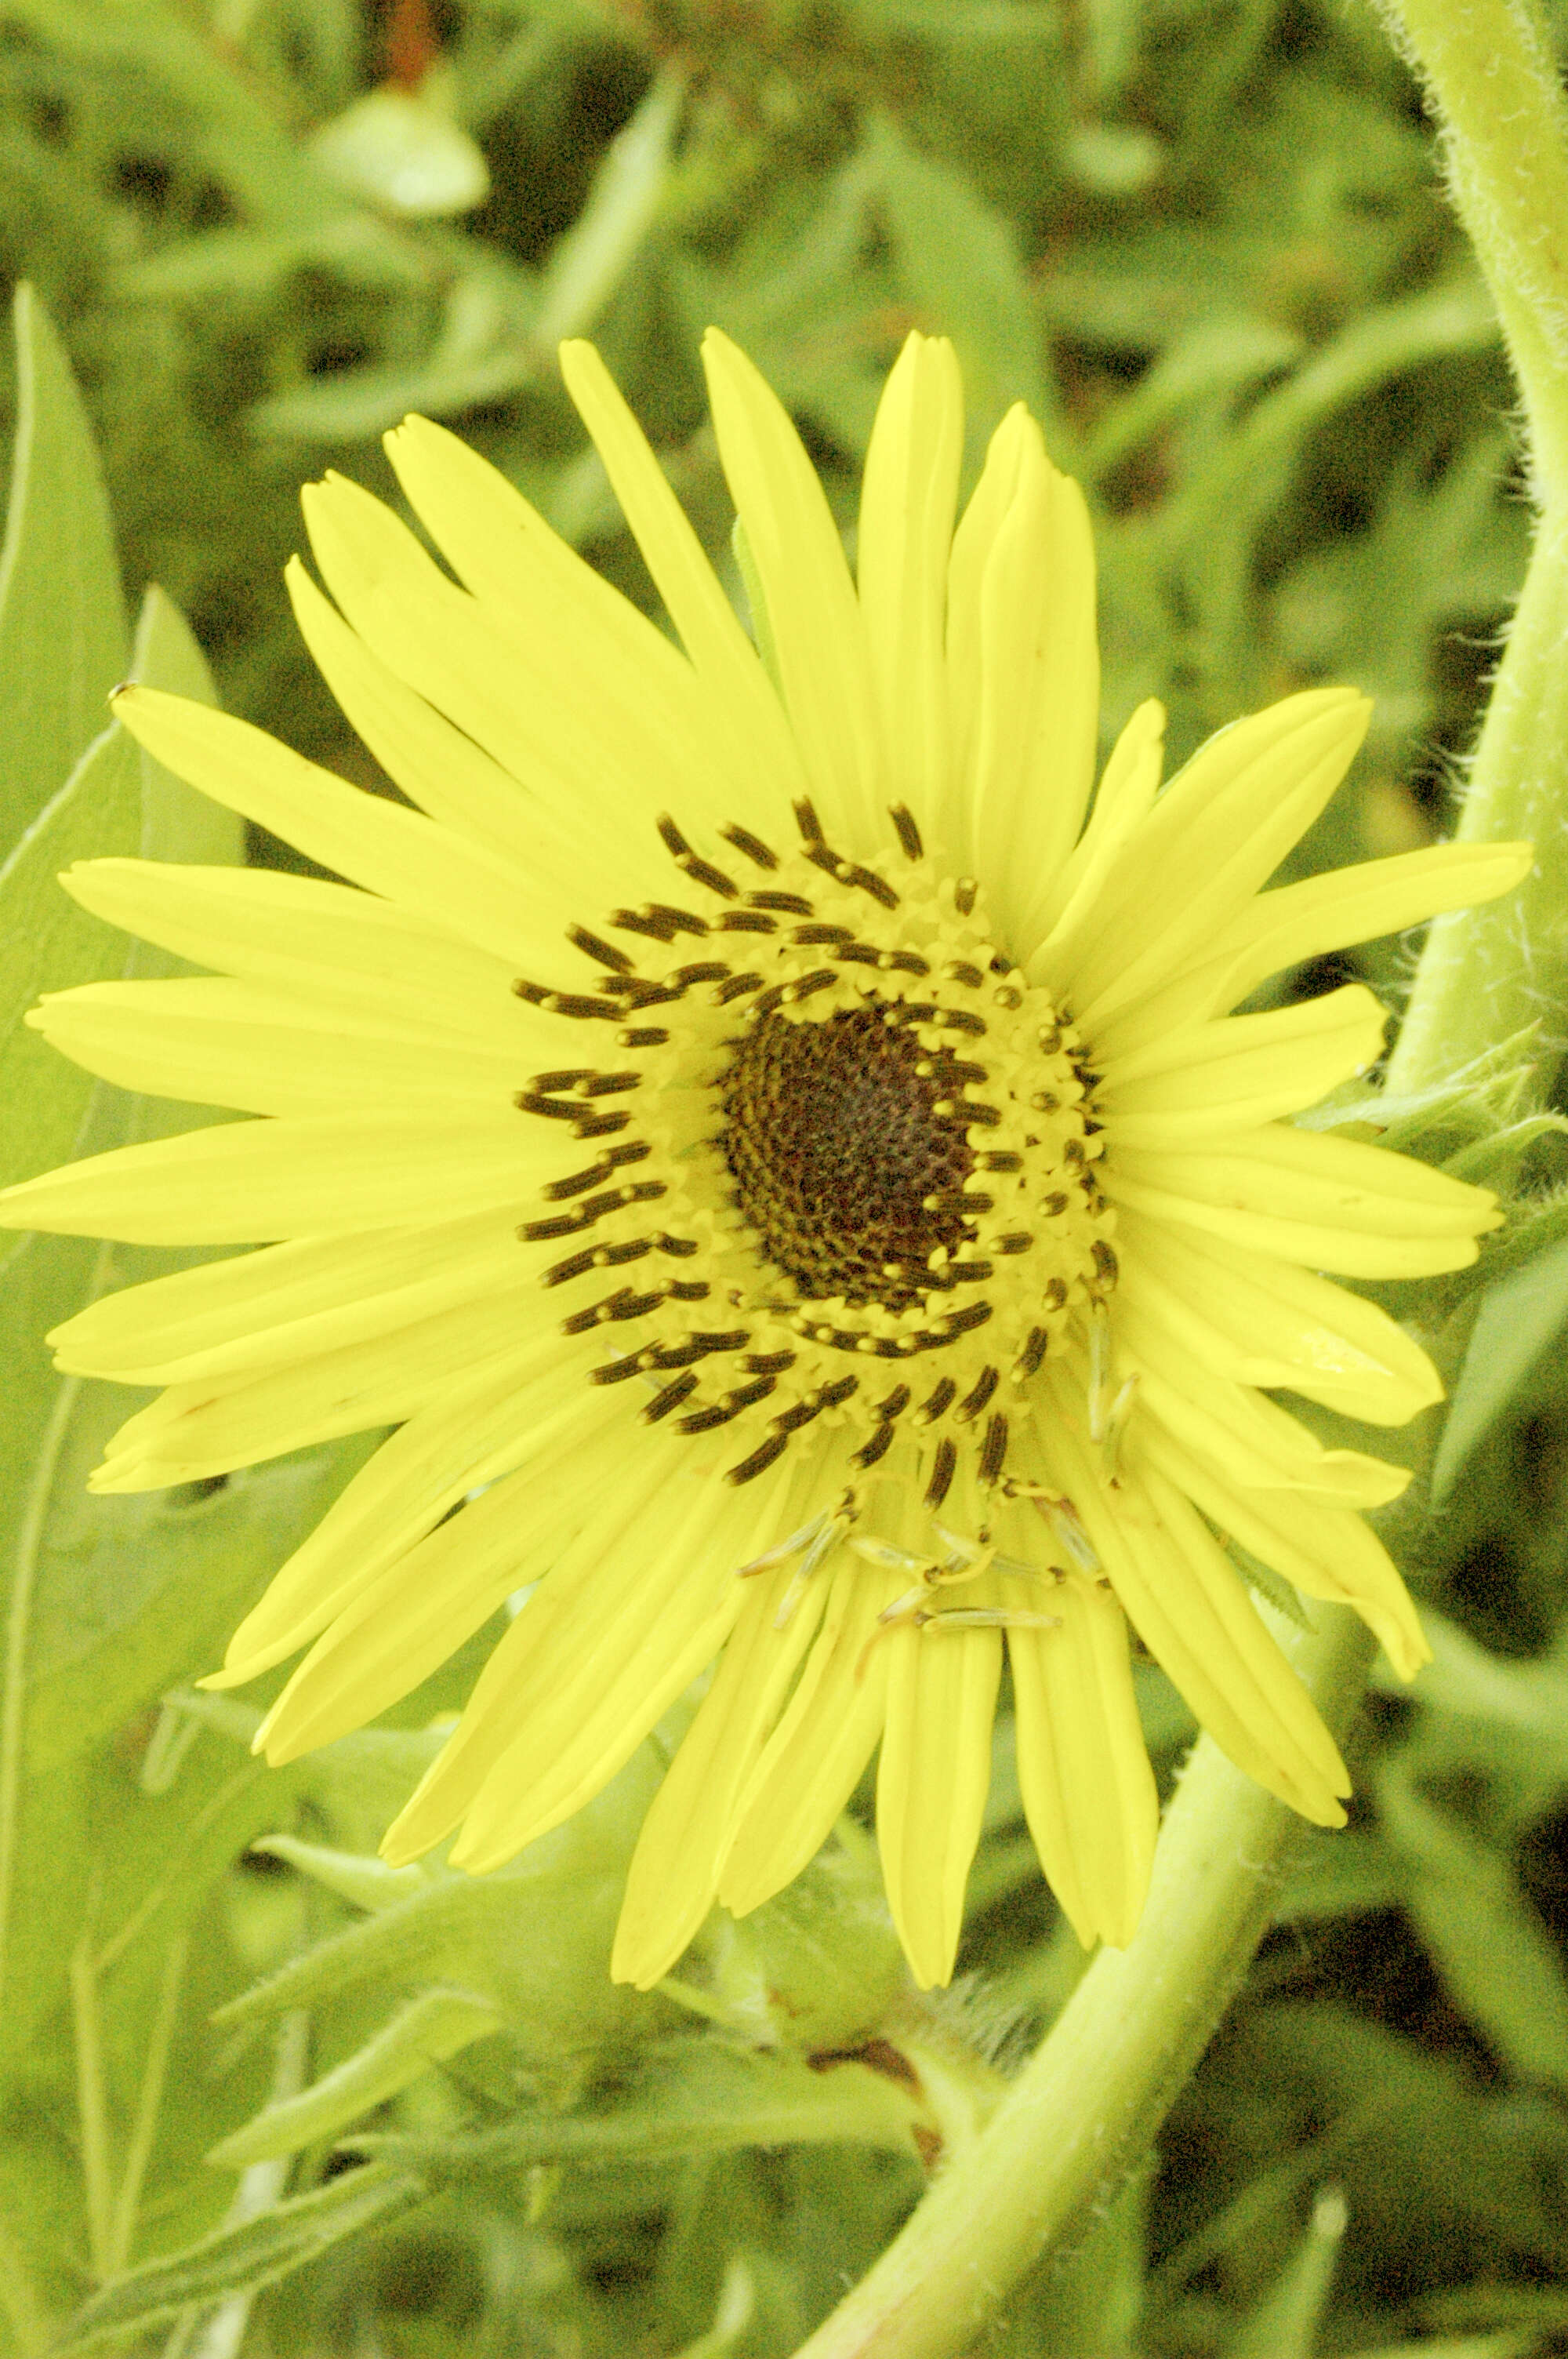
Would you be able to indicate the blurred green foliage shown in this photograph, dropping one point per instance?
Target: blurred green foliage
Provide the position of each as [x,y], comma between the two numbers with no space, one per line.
[1203,239]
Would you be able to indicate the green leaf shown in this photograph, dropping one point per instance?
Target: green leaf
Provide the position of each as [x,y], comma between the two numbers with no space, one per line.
[1519,1319]
[134,1591]
[958,265]
[1285,2323]
[697,2096]
[1490,1947]
[62,626]
[436,2024]
[49,943]
[239,2259]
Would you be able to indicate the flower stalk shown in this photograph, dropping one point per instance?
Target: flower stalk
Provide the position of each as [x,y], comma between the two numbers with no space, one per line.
[1080,2117]
[1491,82]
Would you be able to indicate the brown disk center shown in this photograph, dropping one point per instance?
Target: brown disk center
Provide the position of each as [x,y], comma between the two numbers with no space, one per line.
[835,1143]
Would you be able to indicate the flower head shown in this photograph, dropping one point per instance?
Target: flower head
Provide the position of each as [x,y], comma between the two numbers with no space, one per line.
[782,1161]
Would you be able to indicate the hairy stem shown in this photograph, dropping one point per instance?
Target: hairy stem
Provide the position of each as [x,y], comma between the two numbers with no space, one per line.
[1490,79]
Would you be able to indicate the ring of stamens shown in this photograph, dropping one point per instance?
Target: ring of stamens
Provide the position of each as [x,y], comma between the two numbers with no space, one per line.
[867,1137]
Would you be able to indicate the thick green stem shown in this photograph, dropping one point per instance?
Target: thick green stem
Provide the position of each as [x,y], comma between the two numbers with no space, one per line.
[1081,2115]
[1487,972]
[1489,74]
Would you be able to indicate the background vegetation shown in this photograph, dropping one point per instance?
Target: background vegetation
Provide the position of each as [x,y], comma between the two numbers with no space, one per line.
[1202,238]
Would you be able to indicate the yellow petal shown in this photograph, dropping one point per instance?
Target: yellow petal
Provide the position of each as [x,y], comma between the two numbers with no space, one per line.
[341,948]
[402,1623]
[248,1182]
[1124,798]
[907,499]
[709,628]
[214,1042]
[626,1619]
[484,1424]
[1193,1612]
[1025,661]
[810,1764]
[1325,1550]
[932,1781]
[227,1321]
[1219,829]
[588,688]
[576,1732]
[1191,1083]
[1331,1204]
[813,612]
[192,1432]
[437,766]
[371,842]
[1242,1431]
[673,1880]
[1089,1792]
[1263,1323]
[1356,905]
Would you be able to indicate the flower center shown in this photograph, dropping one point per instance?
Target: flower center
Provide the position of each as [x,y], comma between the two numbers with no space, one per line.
[847,1132]
[833,1135]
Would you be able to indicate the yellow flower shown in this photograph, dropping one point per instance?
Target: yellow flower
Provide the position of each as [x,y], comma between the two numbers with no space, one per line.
[788,1176]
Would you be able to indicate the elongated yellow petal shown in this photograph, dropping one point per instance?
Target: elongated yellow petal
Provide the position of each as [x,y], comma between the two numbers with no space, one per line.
[932,1781]
[1025,662]
[436,765]
[1089,1792]
[1325,1550]
[1263,1323]
[673,1880]
[191,1431]
[1243,1431]
[249,1182]
[1124,800]
[227,1044]
[1356,905]
[341,948]
[604,694]
[812,613]
[708,625]
[1220,828]
[1243,1069]
[557,1710]
[1329,1203]
[907,501]
[390,851]
[480,1426]
[1193,1612]
[809,1767]
[402,1625]
[231,1317]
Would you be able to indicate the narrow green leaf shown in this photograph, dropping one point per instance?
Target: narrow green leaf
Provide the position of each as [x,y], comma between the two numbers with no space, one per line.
[1489,1944]
[1518,1318]
[238,2260]
[697,2097]
[432,2026]
[958,264]
[1285,2323]
[134,1591]
[49,943]
[62,626]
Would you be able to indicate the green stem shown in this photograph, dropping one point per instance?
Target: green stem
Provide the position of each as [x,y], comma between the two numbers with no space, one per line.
[1081,2115]
[1490,77]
